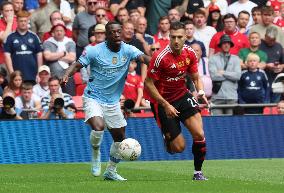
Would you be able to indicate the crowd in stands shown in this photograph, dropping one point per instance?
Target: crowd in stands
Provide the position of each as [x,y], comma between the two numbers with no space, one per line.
[239,45]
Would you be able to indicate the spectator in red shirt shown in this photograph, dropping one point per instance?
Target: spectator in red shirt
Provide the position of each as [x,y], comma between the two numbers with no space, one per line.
[164,31]
[8,24]
[230,28]
[55,18]
[134,86]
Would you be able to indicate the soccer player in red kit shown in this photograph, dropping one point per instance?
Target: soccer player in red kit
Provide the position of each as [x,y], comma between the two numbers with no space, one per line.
[174,103]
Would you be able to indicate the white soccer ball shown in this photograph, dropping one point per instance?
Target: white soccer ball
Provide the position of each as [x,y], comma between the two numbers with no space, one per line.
[130,149]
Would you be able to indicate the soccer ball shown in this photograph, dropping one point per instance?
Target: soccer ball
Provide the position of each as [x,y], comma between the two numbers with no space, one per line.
[130,149]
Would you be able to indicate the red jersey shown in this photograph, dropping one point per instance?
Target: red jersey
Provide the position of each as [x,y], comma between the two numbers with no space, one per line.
[169,70]
[3,25]
[239,39]
[132,84]
[164,41]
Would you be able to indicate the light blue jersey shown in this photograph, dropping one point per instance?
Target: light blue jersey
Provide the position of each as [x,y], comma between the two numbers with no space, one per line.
[108,71]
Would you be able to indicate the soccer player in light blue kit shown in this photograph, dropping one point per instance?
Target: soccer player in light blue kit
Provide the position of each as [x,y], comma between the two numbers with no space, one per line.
[109,62]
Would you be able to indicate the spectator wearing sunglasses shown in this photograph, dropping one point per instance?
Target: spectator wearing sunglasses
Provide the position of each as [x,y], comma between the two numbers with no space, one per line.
[82,22]
[101,16]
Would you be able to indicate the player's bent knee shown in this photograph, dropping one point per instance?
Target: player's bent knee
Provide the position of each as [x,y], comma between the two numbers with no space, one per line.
[177,147]
[198,136]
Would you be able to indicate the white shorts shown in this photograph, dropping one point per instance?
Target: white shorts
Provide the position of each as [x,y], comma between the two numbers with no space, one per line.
[111,114]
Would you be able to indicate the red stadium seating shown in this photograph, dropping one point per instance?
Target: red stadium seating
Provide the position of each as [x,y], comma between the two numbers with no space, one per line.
[270,111]
[79,86]
[79,105]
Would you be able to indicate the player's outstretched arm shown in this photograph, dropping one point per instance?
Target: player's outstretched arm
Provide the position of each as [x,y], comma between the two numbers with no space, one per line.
[144,59]
[70,71]
[169,109]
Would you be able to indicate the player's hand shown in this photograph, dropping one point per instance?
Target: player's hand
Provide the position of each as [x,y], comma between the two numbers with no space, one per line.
[171,111]
[201,95]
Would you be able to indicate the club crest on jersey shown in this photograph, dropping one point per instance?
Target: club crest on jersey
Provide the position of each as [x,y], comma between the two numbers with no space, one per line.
[187,61]
[114,60]
[23,47]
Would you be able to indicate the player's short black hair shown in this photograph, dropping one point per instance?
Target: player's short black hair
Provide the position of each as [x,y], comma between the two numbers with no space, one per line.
[111,23]
[177,25]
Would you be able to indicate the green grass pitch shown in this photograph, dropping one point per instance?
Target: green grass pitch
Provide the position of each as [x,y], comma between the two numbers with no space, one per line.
[225,176]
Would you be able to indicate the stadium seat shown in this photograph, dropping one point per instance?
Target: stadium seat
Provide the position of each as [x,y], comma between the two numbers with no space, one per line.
[78,79]
[79,105]
[270,111]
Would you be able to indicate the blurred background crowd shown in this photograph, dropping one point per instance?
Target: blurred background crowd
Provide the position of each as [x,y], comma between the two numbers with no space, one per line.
[39,39]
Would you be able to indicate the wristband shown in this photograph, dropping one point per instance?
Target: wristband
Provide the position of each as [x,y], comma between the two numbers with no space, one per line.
[201,92]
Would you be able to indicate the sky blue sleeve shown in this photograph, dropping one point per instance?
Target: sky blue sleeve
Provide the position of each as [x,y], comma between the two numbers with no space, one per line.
[134,52]
[87,54]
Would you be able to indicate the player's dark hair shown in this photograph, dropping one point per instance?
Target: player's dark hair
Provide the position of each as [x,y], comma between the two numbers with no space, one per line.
[111,23]
[177,25]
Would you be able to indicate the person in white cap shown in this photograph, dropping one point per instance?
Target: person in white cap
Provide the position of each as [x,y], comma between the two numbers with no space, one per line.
[41,88]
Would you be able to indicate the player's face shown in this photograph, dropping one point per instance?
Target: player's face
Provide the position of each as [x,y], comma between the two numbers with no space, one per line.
[113,33]
[177,38]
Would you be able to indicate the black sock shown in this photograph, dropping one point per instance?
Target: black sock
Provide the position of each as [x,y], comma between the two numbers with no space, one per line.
[199,152]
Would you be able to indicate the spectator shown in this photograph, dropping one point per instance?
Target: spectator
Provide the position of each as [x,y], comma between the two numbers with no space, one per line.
[253,85]
[65,10]
[59,52]
[254,40]
[154,48]
[128,37]
[41,88]
[60,109]
[15,83]
[203,70]
[39,22]
[122,15]
[225,71]
[134,14]
[28,104]
[7,106]
[191,8]
[134,86]
[221,4]
[189,31]
[97,34]
[279,21]
[141,26]
[174,15]
[202,32]
[242,23]
[163,36]
[215,18]
[242,5]
[240,41]
[8,24]
[3,79]
[275,61]
[280,107]
[115,5]
[267,19]
[56,18]
[101,16]
[31,5]
[256,15]
[18,5]
[82,22]
[79,6]
[23,50]
[158,9]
